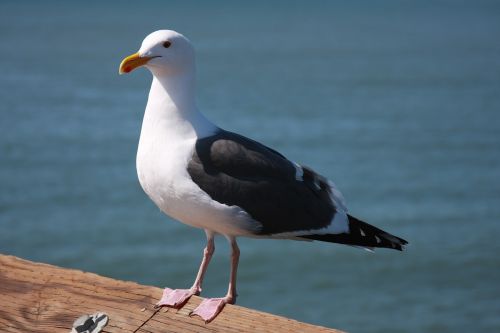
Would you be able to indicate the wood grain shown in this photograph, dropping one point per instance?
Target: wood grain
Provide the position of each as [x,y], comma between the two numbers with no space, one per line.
[42,298]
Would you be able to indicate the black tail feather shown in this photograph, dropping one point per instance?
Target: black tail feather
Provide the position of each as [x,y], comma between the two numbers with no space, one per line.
[364,235]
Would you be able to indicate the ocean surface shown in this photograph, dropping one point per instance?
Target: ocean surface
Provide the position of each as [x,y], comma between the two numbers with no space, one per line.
[398,102]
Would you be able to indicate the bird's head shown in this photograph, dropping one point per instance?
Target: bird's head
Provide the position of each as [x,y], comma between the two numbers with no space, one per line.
[163,52]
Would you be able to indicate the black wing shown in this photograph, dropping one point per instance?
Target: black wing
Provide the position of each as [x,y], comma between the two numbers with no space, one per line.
[235,170]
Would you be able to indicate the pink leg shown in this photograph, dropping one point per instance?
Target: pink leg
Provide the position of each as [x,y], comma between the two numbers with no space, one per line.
[210,307]
[178,297]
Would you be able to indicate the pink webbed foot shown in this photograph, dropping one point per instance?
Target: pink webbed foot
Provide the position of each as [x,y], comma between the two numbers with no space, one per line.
[209,308]
[175,298]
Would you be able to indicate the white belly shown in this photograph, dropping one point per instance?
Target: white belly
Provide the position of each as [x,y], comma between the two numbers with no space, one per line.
[162,172]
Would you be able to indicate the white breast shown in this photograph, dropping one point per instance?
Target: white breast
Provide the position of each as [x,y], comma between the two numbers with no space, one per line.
[168,138]
[161,170]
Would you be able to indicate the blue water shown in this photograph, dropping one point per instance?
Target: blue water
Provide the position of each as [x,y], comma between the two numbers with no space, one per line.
[397,101]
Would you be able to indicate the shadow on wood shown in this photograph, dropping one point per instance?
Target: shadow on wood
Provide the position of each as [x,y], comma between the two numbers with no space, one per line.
[40,298]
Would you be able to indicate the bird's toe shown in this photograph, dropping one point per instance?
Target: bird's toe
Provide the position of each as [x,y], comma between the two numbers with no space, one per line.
[175,298]
[209,308]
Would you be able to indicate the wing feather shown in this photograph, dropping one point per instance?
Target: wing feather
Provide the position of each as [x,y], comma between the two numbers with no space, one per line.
[235,170]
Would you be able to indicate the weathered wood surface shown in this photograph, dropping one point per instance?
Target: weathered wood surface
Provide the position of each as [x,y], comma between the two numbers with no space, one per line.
[40,298]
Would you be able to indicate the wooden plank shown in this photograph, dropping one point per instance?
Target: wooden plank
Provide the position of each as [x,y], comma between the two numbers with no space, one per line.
[42,298]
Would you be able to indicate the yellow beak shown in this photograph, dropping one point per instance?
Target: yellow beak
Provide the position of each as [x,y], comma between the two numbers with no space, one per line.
[132,62]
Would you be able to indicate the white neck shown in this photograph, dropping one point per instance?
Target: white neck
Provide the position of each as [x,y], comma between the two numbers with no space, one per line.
[172,109]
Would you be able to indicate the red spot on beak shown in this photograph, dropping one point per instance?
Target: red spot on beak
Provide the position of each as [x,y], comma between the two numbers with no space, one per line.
[127,69]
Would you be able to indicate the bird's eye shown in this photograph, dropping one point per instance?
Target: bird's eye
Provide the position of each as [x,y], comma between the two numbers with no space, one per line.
[166,44]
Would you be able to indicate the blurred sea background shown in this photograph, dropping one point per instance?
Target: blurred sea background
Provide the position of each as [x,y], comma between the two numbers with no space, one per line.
[398,102]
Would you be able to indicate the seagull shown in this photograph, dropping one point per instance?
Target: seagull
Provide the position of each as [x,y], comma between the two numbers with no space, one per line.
[223,182]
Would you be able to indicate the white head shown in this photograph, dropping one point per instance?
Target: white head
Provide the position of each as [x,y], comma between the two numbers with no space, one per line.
[164,53]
